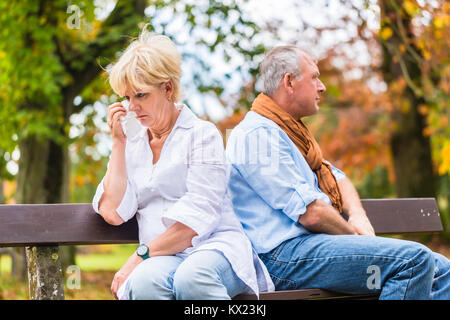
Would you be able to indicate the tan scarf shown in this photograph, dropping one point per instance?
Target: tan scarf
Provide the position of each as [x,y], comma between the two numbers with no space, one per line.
[305,142]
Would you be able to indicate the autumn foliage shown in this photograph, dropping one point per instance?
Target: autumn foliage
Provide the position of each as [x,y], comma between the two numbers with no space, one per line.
[357,117]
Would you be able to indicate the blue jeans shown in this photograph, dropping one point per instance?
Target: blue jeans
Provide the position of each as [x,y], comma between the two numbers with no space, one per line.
[203,275]
[396,269]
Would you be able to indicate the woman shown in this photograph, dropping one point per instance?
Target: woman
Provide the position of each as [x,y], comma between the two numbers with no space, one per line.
[173,175]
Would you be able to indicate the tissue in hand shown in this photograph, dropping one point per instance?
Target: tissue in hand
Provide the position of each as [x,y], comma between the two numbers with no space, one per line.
[130,125]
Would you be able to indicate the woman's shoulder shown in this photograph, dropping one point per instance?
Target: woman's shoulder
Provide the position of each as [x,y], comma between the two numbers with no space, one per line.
[206,134]
[205,127]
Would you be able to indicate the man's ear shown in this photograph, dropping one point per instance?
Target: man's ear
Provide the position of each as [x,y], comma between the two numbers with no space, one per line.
[287,83]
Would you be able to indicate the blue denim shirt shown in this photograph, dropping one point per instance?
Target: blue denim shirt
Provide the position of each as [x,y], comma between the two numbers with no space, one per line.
[270,182]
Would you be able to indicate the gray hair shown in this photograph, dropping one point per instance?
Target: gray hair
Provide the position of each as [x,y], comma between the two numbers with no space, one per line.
[279,61]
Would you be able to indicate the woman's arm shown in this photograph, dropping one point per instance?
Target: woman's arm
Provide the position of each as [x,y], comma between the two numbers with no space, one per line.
[172,241]
[115,182]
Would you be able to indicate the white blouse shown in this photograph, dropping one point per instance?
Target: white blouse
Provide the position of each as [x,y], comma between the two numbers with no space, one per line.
[188,184]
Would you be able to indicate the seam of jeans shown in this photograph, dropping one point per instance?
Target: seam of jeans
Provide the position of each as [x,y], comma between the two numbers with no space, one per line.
[291,283]
[274,256]
[342,256]
[409,280]
[171,283]
[411,276]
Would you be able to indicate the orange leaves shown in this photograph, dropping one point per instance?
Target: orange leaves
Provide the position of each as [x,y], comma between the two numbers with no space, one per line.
[226,125]
[357,144]
[423,109]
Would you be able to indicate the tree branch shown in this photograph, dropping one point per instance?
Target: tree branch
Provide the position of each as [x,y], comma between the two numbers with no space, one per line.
[123,20]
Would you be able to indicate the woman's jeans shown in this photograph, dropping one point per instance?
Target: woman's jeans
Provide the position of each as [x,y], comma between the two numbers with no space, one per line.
[203,275]
[396,269]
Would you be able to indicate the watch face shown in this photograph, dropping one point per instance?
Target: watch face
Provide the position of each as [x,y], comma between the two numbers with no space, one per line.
[141,250]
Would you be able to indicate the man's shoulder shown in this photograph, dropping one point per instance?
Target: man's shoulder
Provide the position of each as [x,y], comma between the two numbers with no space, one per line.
[253,121]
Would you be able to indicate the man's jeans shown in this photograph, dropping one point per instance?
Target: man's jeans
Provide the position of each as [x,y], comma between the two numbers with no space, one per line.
[397,269]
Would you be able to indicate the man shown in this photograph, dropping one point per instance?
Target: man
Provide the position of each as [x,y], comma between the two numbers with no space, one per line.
[289,199]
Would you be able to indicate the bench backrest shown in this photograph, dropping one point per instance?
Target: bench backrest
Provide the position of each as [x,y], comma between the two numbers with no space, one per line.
[78,224]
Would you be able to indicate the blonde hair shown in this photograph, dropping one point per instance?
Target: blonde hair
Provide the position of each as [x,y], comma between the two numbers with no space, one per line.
[150,60]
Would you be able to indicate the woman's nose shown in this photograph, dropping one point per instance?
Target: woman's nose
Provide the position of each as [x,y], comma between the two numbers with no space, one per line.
[132,105]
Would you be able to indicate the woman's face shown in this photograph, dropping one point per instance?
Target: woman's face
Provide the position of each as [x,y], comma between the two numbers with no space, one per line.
[151,105]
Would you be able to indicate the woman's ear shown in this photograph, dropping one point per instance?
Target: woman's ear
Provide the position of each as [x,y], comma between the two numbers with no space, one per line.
[168,89]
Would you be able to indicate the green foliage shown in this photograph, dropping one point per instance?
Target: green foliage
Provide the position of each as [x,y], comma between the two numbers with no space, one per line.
[376,185]
[45,63]
[30,76]
[228,29]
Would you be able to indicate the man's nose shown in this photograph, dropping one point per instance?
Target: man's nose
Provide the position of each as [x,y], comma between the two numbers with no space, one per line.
[321,88]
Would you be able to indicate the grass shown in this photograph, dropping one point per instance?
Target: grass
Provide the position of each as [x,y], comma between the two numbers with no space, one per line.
[105,257]
[97,265]
[5,264]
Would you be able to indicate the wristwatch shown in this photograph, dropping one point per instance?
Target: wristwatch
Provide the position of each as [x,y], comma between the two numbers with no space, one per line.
[143,251]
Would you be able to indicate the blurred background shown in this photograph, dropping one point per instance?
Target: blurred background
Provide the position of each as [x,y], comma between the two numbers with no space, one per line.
[384,119]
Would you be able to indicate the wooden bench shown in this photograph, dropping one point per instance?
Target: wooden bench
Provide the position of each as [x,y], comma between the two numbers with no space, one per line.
[43,227]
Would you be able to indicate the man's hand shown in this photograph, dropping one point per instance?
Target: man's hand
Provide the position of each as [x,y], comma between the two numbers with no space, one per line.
[361,223]
[124,272]
[353,208]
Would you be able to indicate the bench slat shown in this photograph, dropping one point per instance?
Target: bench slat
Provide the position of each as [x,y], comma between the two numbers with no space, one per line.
[78,224]
[305,294]
[405,215]
[60,224]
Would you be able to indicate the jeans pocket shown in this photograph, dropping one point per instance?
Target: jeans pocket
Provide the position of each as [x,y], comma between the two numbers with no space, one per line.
[274,253]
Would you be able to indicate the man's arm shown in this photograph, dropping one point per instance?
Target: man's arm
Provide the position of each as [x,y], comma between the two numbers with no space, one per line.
[353,208]
[279,181]
[320,217]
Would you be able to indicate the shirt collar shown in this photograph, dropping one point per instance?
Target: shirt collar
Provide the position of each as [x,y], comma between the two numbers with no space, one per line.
[186,118]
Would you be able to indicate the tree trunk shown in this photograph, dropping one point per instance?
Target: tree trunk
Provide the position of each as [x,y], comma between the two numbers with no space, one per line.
[42,178]
[411,150]
[44,273]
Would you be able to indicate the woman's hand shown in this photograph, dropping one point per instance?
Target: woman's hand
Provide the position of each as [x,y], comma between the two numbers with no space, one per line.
[124,273]
[115,111]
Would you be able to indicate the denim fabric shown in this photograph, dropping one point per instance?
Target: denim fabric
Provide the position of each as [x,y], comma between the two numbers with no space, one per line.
[203,275]
[396,269]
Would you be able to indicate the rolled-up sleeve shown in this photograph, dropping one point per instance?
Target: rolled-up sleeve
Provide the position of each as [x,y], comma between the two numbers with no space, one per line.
[200,208]
[127,207]
[265,161]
